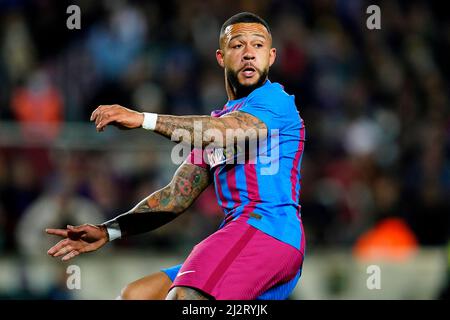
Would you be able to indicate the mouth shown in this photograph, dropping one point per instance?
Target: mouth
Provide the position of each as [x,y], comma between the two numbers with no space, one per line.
[248,71]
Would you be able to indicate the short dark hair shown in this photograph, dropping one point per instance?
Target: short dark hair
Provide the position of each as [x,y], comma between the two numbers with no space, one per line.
[244,17]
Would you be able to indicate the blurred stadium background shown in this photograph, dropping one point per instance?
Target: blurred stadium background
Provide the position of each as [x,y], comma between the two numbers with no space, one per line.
[376,170]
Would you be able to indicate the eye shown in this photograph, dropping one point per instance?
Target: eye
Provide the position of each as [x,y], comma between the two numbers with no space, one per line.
[237,46]
[258,45]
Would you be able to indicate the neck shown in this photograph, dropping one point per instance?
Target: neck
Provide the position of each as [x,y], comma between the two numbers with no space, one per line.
[232,91]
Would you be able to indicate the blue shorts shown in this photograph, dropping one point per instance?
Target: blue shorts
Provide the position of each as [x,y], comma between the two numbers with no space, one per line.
[279,292]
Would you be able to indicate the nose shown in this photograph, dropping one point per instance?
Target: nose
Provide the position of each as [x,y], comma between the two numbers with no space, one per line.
[249,53]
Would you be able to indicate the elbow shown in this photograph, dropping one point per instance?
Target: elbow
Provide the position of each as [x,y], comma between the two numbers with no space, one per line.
[214,134]
[178,210]
[177,205]
[180,204]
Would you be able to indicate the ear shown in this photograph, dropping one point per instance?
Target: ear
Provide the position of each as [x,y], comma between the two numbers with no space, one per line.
[219,57]
[272,56]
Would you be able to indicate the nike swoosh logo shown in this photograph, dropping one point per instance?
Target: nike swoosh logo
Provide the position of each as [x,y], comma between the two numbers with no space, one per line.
[181,273]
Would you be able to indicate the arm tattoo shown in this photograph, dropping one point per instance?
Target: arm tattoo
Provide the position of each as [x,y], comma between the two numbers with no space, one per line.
[204,126]
[167,203]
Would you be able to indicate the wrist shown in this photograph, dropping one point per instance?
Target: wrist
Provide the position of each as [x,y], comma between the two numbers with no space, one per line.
[103,228]
[113,230]
[149,122]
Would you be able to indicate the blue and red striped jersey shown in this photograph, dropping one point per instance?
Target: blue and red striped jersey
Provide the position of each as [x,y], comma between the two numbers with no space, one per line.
[266,184]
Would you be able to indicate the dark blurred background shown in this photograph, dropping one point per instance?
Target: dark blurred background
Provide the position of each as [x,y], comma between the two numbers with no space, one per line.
[375,172]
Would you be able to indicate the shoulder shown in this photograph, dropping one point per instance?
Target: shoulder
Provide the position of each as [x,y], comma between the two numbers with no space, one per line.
[271,93]
[274,97]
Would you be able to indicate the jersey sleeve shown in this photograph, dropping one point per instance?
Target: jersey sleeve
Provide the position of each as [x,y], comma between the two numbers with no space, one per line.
[196,158]
[270,107]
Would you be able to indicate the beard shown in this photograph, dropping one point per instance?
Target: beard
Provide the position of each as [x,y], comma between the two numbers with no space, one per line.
[241,90]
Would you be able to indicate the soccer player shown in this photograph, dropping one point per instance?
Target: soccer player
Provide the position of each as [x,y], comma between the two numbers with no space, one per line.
[257,252]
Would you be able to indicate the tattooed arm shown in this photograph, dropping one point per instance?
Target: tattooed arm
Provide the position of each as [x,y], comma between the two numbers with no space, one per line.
[154,211]
[242,125]
[167,203]
[205,127]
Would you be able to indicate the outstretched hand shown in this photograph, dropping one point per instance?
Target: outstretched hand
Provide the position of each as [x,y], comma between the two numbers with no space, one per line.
[79,239]
[116,115]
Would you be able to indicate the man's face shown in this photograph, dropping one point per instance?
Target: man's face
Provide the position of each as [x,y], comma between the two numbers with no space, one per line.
[246,53]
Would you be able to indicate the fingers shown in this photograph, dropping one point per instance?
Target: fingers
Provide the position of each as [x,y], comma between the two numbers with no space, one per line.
[68,249]
[75,252]
[107,119]
[98,114]
[63,247]
[72,250]
[98,111]
[101,114]
[104,115]
[72,254]
[59,248]
[65,232]
[57,232]
[64,250]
